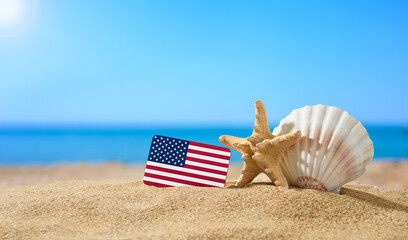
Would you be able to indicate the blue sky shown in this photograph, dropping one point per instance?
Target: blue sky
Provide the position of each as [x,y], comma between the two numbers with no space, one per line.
[204,62]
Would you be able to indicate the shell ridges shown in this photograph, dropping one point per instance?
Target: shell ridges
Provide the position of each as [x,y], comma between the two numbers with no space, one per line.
[334,148]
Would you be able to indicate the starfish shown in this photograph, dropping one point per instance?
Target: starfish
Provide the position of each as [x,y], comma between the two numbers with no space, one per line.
[262,150]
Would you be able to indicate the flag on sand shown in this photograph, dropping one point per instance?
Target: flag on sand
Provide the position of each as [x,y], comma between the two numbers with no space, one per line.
[174,162]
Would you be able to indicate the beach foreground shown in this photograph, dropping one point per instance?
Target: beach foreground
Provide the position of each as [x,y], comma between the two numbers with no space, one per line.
[122,210]
[110,201]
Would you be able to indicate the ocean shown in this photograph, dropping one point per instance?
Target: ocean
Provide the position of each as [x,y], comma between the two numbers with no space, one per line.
[52,145]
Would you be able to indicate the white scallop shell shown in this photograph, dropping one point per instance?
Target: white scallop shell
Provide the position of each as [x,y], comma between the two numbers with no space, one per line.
[334,149]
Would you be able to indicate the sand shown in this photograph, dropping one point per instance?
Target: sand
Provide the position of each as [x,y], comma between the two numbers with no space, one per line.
[94,202]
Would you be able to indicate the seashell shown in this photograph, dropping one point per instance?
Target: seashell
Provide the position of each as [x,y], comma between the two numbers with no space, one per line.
[334,148]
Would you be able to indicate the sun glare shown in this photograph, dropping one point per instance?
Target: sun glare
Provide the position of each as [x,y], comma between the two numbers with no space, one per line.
[15,16]
[10,11]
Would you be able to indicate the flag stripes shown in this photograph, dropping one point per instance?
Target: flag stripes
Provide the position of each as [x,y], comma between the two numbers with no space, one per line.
[206,169]
[192,147]
[199,160]
[208,154]
[154,169]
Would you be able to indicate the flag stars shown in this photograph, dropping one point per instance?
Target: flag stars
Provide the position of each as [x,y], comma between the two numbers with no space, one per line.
[168,151]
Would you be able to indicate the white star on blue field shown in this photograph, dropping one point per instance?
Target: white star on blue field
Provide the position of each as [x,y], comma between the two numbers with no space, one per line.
[168,151]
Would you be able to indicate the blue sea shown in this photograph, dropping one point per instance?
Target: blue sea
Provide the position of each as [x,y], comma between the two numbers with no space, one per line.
[51,145]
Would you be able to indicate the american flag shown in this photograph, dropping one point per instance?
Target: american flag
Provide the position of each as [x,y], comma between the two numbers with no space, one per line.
[174,162]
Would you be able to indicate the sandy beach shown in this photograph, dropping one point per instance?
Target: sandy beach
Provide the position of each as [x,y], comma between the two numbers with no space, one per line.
[109,201]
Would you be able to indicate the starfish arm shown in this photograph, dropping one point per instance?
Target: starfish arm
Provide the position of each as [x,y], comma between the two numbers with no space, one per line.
[261,129]
[239,144]
[275,173]
[271,164]
[242,145]
[248,173]
[287,140]
[279,143]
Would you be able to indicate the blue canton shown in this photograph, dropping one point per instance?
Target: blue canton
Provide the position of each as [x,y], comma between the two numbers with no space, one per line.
[169,151]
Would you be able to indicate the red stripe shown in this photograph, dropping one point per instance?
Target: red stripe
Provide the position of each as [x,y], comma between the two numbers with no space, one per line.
[155,184]
[177,180]
[205,169]
[207,162]
[185,174]
[208,154]
[210,146]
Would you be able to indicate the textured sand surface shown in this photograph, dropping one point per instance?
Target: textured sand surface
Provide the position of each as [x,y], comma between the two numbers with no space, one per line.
[126,210]
[109,201]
